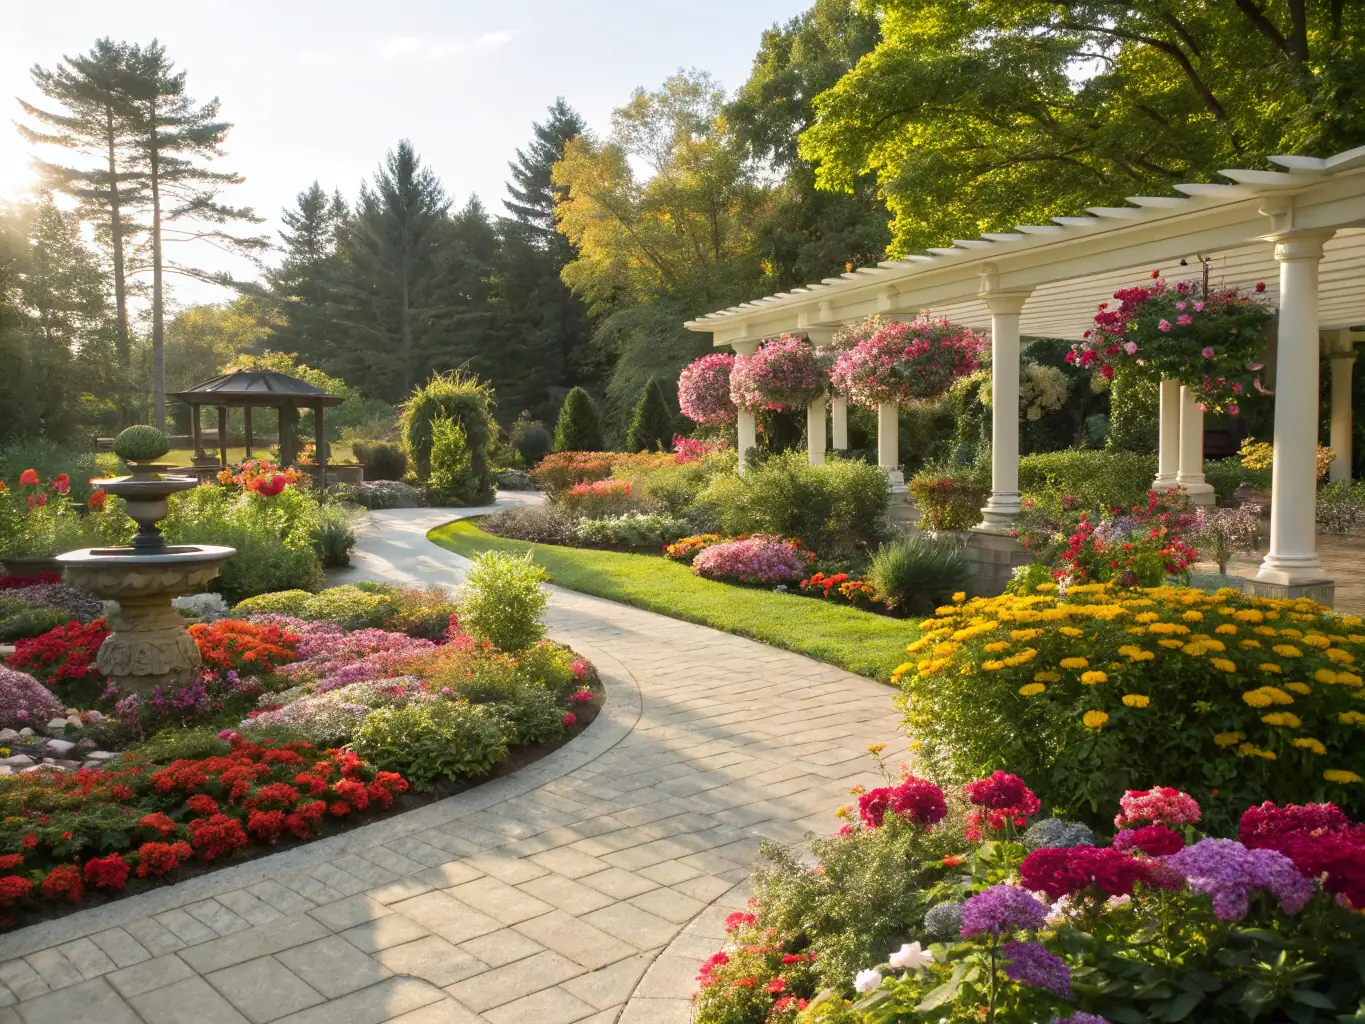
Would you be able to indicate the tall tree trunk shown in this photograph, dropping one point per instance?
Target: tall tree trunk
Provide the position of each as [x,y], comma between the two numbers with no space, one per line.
[407,339]
[116,239]
[158,327]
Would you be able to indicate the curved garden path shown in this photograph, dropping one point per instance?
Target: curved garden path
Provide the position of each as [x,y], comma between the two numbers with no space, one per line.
[584,887]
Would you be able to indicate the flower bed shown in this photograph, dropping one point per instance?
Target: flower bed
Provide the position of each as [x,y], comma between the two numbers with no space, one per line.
[756,559]
[1241,699]
[927,910]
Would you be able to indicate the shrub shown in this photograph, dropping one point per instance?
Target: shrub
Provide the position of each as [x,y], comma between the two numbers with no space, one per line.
[452,480]
[383,460]
[1232,699]
[1341,507]
[599,498]
[350,607]
[262,564]
[632,530]
[559,471]
[651,422]
[141,443]
[756,559]
[550,523]
[28,621]
[1106,478]
[279,602]
[380,494]
[423,612]
[24,701]
[579,427]
[501,600]
[334,537]
[834,509]
[531,440]
[916,574]
[49,459]
[946,503]
[432,739]
[534,717]
[513,480]
[456,396]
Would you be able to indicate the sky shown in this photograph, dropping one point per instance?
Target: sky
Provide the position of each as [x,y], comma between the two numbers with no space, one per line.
[320,89]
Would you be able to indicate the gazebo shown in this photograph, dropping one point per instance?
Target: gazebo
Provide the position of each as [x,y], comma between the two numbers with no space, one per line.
[1299,229]
[250,389]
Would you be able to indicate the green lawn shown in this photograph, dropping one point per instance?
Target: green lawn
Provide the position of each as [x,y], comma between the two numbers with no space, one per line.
[871,645]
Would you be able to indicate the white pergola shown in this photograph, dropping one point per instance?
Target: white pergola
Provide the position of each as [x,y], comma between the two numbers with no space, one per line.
[1300,229]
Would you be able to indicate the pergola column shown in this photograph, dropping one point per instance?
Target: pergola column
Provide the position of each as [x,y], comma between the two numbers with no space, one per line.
[1168,437]
[196,430]
[222,436]
[1293,558]
[815,431]
[889,445]
[838,421]
[1190,476]
[1003,506]
[746,424]
[320,445]
[1343,366]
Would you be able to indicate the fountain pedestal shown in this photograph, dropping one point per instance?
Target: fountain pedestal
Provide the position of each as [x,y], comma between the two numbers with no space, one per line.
[148,645]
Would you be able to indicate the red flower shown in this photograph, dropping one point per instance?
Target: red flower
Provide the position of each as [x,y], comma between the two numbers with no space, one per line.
[569,720]
[1260,286]
[10,861]
[13,888]
[63,883]
[739,919]
[776,986]
[97,499]
[161,858]
[1153,840]
[62,483]
[29,478]
[29,841]
[215,836]
[109,872]
[202,804]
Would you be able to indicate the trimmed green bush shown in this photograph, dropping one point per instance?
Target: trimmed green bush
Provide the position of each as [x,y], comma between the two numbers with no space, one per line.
[534,717]
[141,443]
[579,427]
[501,600]
[532,441]
[383,460]
[429,740]
[917,574]
[1110,476]
[452,480]
[281,602]
[351,607]
[458,396]
[651,424]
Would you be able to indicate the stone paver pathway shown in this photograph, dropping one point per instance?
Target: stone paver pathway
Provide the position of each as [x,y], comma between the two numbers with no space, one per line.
[585,887]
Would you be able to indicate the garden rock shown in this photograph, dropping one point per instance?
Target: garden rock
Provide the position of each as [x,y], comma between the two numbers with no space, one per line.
[17,761]
[8,736]
[26,732]
[100,756]
[57,725]
[59,748]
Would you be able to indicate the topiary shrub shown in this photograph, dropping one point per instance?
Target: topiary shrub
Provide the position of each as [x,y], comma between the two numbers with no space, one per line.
[383,460]
[579,427]
[432,739]
[501,600]
[457,396]
[141,443]
[651,424]
[948,499]
[452,480]
[352,607]
[531,440]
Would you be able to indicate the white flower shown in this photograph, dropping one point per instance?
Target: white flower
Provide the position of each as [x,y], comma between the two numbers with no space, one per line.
[911,957]
[867,981]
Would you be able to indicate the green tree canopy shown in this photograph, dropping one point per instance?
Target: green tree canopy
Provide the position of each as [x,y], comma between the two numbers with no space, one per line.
[579,428]
[652,423]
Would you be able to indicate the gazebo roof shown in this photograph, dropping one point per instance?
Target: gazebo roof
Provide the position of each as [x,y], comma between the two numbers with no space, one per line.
[255,387]
[1070,265]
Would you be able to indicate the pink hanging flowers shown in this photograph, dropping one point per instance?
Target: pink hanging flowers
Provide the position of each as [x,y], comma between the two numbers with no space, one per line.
[704,389]
[783,375]
[907,362]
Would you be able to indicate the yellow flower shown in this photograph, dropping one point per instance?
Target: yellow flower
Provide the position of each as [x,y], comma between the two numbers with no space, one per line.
[1094,719]
[1195,650]
[1223,665]
[1071,631]
[959,597]
[992,666]
[1022,658]
[1351,718]
[1311,745]
[844,811]
[1317,640]
[1349,679]
[876,748]
[1193,616]
[1250,645]
[1249,615]
[1136,700]
[1266,631]
[1169,628]
[996,647]
[1285,719]
[1026,634]
[1264,696]
[1093,677]
[1341,776]
[1031,689]
[1073,663]
[1295,633]
[1270,667]
[1325,675]
[1248,750]
[1047,677]
[1339,657]
[1287,651]
[1228,739]
[857,790]
[1136,630]
[1171,644]
[1146,617]
[1227,629]
[1303,689]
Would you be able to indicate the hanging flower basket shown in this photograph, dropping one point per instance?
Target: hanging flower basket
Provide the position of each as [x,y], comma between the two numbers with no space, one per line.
[704,390]
[907,363]
[783,375]
[1206,338]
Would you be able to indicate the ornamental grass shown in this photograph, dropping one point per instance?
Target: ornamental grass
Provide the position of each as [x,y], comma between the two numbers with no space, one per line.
[1233,699]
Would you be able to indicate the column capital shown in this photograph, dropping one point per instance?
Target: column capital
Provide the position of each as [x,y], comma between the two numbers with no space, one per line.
[1300,245]
[745,348]
[1005,302]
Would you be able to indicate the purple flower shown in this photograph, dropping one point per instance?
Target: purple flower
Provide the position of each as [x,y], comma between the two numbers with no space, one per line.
[1001,908]
[23,698]
[1207,352]
[1228,872]
[1029,963]
[1080,1017]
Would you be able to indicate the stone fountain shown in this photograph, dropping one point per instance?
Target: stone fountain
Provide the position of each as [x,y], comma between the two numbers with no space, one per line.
[148,645]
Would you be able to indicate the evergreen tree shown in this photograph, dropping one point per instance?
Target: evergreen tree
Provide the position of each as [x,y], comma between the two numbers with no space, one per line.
[397,291]
[652,424]
[533,192]
[579,428]
[304,285]
[170,135]
[93,120]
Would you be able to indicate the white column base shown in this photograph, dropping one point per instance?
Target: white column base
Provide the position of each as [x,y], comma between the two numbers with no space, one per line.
[1200,491]
[1292,570]
[897,481]
[1001,511]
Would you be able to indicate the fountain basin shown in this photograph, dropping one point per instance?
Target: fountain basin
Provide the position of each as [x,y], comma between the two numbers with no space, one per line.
[148,646]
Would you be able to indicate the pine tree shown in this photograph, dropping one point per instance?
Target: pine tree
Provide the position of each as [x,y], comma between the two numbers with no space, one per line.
[397,291]
[579,428]
[305,283]
[170,134]
[652,424]
[532,188]
[94,120]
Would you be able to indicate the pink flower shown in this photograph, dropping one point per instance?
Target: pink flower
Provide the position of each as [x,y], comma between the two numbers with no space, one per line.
[1130,347]
[1180,305]
[1183,319]
[1260,286]
[569,719]
[1207,352]
[1233,410]
[1164,325]
[1199,307]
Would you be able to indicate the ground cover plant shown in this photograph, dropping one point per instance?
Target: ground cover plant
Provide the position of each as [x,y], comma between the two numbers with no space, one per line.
[311,712]
[972,905]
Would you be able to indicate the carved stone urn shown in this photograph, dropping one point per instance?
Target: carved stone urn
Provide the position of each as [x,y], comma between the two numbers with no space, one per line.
[148,645]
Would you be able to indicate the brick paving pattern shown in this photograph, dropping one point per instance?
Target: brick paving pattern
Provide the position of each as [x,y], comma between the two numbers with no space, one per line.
[585,887]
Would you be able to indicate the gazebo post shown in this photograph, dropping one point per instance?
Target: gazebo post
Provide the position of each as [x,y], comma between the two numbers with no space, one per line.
[1291,567]
[889,445]
[746,424]
[1006,306]
[815,431]
[197,431]
[222,436]
[246,418]
[320,447]
[1190,477]
[1168,437]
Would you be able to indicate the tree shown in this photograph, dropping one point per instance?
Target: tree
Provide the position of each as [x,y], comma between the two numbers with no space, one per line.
[652,423]
[534,194]
[94,120]
[808,234]
[976,116]
[169,135]
[579,427]
[305,283]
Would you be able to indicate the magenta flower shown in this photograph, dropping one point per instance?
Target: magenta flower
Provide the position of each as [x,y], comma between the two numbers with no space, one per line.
[1130,347]
[1207,352]
[704,389]
[1184,319]
[1164,325]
